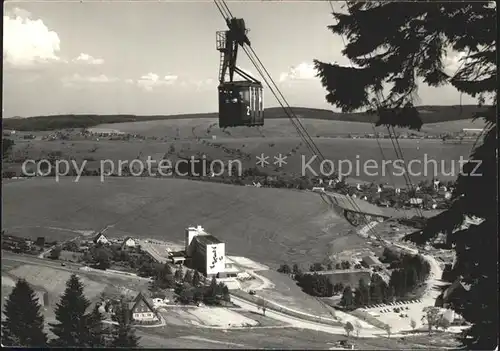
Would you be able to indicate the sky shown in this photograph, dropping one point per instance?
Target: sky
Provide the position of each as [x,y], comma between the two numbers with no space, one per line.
[150,58]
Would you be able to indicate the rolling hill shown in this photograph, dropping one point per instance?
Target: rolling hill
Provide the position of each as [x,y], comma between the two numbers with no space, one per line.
[271,226]
[429,114]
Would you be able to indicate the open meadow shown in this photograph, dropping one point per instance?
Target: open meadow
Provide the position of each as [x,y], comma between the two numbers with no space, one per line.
[271,226]
[206,316]
[52,278]
[433,157]
[280,338]
[183,128]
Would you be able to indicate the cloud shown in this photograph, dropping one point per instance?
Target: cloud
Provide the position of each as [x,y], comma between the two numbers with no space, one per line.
[151,80]
[202,84]
[170,78]
[27,41]
[303,71]
[77,78]
[87,59]
[454,61]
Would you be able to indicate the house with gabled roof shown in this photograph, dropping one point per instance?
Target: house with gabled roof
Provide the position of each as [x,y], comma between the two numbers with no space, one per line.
[141,310]
[128,242]
[100,239]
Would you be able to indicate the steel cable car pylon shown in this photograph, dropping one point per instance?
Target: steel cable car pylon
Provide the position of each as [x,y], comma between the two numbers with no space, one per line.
[241,102]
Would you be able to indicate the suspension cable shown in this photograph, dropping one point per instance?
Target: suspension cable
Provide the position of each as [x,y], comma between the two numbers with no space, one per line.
[395,143]
[288,111]
[302,130]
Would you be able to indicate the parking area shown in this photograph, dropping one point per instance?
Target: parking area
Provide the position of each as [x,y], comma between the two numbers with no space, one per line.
[400,314]
[390,306]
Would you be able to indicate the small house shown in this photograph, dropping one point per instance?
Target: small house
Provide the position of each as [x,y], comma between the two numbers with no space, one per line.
[177,257]
[100,239]
[416,201]
[128,242]
[142,310]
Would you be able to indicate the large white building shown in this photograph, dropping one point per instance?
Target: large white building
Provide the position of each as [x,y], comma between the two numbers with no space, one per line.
[207,253]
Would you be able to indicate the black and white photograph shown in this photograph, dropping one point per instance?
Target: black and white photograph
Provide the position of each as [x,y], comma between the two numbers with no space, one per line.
[257,174]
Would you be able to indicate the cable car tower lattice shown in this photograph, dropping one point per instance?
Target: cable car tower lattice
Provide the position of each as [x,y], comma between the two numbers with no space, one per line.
[240,102]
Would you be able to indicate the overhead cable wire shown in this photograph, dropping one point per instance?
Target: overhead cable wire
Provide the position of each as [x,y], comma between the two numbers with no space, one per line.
[288,111]
[395,143]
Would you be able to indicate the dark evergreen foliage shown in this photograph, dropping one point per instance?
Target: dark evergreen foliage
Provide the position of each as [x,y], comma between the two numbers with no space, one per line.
[408,50]
[196,279]
[123,333]
[7,145]
[75,328]
[188,277]
[284,268]
[347,299]
[96,329]
[24,323]
[315,284]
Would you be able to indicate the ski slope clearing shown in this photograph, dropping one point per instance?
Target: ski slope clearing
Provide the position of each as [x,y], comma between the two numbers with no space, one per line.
[270,226]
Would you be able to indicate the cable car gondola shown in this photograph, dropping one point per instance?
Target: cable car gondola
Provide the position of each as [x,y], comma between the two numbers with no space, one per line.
[241,102]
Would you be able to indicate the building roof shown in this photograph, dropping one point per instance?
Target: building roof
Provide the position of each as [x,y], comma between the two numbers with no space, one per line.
[132,305]
[207,239]
[371,260]
[124,242]
[98,236]
[415,200]
[177,253]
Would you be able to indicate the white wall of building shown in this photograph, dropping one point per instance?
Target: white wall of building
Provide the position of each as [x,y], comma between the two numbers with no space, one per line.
[130,242]
[144,316]
[102,240]
[216,258]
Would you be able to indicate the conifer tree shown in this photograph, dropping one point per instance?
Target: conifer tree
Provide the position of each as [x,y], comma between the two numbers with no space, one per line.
[178,274]
[407,51]
[24,323]
[71,329]
[96,329]
[123,333]
[347,299]
[188,277]
[196,279]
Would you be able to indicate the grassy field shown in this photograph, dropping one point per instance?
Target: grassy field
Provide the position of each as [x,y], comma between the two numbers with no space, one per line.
[207,316]
[287,293]
[54,280]
[428,114]
[434,158]
[184,128]
[275,338]
[271,226]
